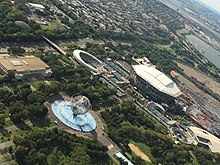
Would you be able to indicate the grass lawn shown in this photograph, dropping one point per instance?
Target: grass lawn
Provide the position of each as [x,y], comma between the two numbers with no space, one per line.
[51,123]
[4,137]
[167,47]
[50,26]
[104,124]
[8,123]
[145,149]
[28,54]
[55,24]
[35,84]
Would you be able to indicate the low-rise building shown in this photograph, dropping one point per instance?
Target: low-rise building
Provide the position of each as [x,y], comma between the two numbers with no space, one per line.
[181,131]
[25,67]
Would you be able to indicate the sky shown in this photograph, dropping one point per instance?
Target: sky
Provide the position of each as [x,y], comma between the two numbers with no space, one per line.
[215,4]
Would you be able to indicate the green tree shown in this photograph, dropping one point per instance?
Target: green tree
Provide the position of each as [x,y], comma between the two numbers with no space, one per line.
[16,50]
[2,119]
[18,111]
[79,155]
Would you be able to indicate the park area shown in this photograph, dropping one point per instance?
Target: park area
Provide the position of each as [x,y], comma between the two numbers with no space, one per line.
[143,151]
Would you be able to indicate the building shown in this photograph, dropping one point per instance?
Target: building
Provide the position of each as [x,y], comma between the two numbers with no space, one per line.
[75,113]
[181,131]
[205,139]
[155,84]
[89,61]
[25,67]
[20,1]
[121,156]
[155,106]
[36,6]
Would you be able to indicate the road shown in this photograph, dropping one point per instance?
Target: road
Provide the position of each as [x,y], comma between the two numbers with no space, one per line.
[55,46]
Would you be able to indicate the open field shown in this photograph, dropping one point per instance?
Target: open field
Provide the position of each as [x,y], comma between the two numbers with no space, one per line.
[138,152]
[143,151]
[209,83]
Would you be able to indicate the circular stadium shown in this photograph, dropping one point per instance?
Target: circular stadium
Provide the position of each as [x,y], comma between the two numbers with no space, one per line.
[89,61]
[75,113]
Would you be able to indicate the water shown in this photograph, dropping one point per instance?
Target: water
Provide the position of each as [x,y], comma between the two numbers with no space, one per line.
[207,51]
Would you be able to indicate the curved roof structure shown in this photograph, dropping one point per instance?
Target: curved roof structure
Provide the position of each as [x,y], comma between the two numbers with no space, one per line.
[75,113]
[207,138]
[157,79]
[89,61]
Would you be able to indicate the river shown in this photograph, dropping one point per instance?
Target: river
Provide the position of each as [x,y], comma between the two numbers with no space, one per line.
[207,51]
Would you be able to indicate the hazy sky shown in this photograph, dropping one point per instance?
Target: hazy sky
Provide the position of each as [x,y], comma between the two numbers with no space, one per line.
[212,3]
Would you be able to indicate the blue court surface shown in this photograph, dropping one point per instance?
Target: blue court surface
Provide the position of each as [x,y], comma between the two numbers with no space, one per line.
[81,122]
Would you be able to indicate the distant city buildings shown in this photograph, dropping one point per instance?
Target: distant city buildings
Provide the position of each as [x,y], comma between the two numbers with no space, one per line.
[25,67]
[20,1]
[205,117]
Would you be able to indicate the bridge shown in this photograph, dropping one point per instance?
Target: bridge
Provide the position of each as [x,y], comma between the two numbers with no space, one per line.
[55,46]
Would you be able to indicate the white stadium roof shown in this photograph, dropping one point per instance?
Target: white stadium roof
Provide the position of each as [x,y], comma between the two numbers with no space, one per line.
[157,79]
[97,69]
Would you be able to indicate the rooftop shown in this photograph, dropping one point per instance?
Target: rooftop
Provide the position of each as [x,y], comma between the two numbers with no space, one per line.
[36,5]
[157,79]
[214,142]
[81,122]
[21,64]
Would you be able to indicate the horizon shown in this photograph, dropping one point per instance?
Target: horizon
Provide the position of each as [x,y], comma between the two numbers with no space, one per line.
[214,4]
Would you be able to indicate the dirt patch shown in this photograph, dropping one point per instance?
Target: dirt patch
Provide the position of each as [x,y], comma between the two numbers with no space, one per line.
[209,82]
[138,152]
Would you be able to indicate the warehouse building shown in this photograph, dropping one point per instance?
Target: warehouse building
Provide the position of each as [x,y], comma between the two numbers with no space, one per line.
[25,67]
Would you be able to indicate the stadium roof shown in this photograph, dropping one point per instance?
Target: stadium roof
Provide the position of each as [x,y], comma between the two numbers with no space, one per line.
[88,60]
[36,5]
[157,79]
[214,143]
